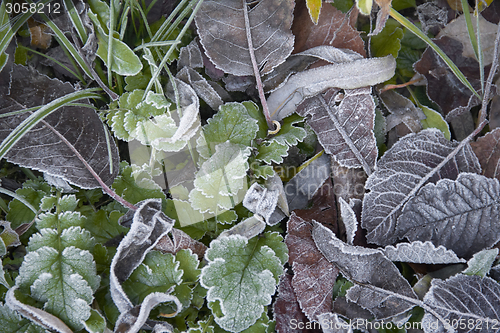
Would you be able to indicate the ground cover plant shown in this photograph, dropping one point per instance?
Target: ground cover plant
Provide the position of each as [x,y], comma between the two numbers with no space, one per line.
[249,166]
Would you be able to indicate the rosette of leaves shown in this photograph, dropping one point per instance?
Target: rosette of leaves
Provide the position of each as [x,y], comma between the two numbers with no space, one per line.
[59,270]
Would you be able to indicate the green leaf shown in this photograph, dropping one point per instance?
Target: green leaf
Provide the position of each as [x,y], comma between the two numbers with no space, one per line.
[96,323]
[289,134]
[406,58]
[232,123]
[435,119]
[104,226]
[364,6]
[257,114]
[124,61]
[64,281]
[201,326]
[11,321]
[262,171]
[135,190]
[242,275]
[388,41]
[403,4]
[272,152]
[139,81]
[314,8]
[33,192]
[480,264]
[380,127]
[220,179]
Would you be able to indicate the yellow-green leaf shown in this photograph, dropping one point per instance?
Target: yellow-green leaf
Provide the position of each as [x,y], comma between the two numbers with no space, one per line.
[364,6]
[435,120]
[314,8]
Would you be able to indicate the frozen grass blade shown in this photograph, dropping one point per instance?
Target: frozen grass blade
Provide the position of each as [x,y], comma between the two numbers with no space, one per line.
[410,26]
[18,197]
[76,20]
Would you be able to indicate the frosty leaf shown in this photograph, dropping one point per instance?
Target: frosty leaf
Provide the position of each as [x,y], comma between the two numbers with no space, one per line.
[201,86]
[63,281]
[214,205]
[248,228]
[332,323]
[222,176]
[350,220]
[232,123]
[460,215]
[180,241]
[135,189]
[11,321]
[346,130]
[272,152]
[379,286]
[314,275]
[149,224]
[402,171]
[301,188]
[286,308]
[487,150]
[190,56]
[124,61]
[223,34]
[348,75]
[402,110]
[289,134]
[241,276]
[104,225]
[421,253]
[480,264]
[53,144]
[334,28]
[40,317]
[462,298]
[260,200]
[96,323]
[32,191]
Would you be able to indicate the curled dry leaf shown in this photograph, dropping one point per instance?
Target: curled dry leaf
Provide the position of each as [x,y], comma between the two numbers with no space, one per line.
[402,171]
[487,149]
[223,34]
[52,145]
[346,130]
[180,241]
[421,253]
[314,275]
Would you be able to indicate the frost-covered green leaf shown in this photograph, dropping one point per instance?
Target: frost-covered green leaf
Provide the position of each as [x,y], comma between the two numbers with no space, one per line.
[96,323]
[104,225]
[232,123]
[480,264]
[124,61]
[127,115]
[59,269]
[135,190]
[220,179]
[435,119]
[272,152]
[290,134]
[242,276]
[10,321]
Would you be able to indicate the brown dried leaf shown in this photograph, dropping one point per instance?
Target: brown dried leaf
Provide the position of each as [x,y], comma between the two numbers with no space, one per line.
[40,36]
[487,150]
[314,275]
[286,308]
[346,130]
[180,241]
[222,30]
[382,16]
[333,29]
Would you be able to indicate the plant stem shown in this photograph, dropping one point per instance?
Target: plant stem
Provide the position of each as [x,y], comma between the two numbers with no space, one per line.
[256,71]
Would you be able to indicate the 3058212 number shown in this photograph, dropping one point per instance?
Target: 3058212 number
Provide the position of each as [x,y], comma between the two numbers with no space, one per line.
[33,8]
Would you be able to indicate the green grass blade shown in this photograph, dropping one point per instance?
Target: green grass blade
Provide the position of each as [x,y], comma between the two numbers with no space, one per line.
[455,70]
[480,52]
[40,114]
[18,197]
[76,20]
[470,28]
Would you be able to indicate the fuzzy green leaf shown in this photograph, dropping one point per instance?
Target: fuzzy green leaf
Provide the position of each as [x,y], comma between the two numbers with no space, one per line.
[435,120]
[262,171]
[272,152]
[232,123]
[241,276]
[104,226]
[75,236]
[32,192]
[289,134]
[96,323]
[480,264]
[135,190]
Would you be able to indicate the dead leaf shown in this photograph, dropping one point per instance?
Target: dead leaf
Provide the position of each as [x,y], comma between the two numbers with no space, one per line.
[40,36]
[314,275]
[382,15]
[487,150]
[180,241]
[333,28]
[443,86]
